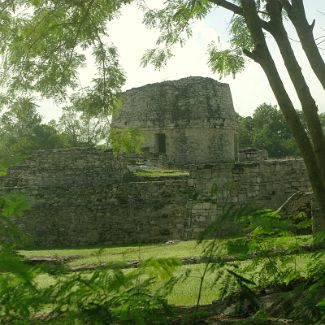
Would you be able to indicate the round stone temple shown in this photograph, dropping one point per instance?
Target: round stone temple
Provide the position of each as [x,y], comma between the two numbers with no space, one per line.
[191,120]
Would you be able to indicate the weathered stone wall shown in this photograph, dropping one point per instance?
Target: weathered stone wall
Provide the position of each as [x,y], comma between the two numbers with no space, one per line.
[259,184]
[194,145]
[195,115]
[86,196]
[252,154]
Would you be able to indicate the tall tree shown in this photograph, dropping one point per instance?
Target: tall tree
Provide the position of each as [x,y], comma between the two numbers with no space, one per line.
[246,131]
[82,129]
[296,12]
[267,129]
[22,130]
[252,18]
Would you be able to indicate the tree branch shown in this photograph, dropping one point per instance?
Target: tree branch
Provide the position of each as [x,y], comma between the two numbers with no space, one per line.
[297,16]
[312,25]
[228,5]
[236,10]
[83,18]
[251,55]
[286,4]
[268,65]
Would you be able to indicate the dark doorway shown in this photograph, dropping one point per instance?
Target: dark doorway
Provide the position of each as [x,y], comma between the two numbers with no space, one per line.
[236,146]
[161,143]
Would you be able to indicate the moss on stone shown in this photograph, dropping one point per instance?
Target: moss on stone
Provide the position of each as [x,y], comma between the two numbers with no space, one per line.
[159,172]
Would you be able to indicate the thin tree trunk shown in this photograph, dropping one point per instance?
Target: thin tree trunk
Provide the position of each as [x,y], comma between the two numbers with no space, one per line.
[297,15]
[262,55]
[309,107]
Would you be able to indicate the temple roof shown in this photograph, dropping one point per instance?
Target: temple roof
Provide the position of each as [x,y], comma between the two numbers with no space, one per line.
[187,102]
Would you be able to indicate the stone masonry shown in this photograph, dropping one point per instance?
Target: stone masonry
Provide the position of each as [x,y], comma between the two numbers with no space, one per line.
[191,120]
[83,196]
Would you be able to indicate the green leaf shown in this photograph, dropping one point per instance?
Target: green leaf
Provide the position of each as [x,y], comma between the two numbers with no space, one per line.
[15,204]
[240,36]
[321,304]
[127,140]
[225,62]
[238,248]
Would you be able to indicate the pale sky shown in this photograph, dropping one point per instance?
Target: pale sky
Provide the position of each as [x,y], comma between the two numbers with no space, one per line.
[249,89]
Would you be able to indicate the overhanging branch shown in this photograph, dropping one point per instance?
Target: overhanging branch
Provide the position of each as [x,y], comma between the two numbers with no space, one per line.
[228,5]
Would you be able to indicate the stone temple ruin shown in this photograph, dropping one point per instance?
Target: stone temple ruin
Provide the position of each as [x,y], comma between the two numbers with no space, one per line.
[188,121]
[84,196]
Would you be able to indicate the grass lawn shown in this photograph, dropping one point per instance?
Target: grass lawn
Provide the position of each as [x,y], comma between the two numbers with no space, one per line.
[184,293]
[124,253]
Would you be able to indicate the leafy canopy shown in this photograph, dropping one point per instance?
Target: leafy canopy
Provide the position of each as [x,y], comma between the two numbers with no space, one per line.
[44,43]
[267,129]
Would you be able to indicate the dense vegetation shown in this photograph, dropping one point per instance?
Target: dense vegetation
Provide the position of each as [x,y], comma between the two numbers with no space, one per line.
[267,129]
[22,131]
[131,285]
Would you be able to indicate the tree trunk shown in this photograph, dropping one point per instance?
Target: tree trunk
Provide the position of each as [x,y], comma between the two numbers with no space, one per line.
[296,13]
[262,55]
[309,107]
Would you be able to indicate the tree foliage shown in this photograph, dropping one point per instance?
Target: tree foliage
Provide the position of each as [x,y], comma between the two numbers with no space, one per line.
[267,129]
[81,129]
[304,302]
[22,131]
[44,44]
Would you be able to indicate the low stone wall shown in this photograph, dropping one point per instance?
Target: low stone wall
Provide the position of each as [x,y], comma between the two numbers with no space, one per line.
[86,196]
[132,212]
[252,154]
[260,184]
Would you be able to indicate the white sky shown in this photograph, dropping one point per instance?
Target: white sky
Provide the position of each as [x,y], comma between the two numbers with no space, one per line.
[249,89]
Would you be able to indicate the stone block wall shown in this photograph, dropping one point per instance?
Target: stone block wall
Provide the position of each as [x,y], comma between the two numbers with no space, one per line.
[260,184]
[194,145]
[195,115]
[86,196]
[252,154]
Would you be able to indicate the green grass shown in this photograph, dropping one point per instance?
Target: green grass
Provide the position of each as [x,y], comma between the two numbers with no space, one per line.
[185,292]
[124,253]
[159,172]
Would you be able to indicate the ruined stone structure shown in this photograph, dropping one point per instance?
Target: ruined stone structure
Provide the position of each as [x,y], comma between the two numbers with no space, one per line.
[191,120]
[85,196]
